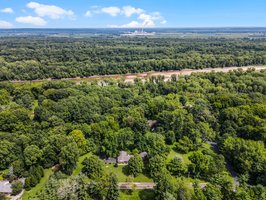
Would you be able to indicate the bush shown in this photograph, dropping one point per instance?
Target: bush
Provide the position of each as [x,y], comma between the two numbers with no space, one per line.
[17,187]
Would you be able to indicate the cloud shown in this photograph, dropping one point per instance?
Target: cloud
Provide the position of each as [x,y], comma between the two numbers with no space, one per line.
[7,10]
[144,18]
[51,11]
[113,11]
[88,13]
[37,21]
[133,24]
[148,20]
[5,24]
[128,11]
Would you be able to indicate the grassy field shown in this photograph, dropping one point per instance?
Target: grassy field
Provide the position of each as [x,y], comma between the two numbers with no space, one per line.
[122,175]
[79,166]
[39,186]
[137,195]
[184,157]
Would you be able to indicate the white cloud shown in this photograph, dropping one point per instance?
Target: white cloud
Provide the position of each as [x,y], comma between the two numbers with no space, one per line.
[128,11]
[7,10]
[133,24]
[37,21]
[144,18]
[52,11]
[5,24]
[113,11]
[88,13]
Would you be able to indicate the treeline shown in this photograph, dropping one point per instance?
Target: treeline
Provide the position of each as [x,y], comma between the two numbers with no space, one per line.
[54,123]
[25,58]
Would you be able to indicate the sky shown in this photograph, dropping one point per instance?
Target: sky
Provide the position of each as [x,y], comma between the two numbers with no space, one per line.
[131,13]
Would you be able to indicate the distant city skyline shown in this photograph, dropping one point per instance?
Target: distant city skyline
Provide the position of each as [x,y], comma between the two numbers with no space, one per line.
[131,13]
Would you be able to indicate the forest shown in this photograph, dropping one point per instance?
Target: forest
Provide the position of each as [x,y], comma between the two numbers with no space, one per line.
[206,140]
[31,58]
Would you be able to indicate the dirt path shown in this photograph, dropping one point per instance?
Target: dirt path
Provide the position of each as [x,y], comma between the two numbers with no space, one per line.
[228,166]
[137,186]
[145,75]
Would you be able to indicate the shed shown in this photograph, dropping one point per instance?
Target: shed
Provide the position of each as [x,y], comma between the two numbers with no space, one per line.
[143,154]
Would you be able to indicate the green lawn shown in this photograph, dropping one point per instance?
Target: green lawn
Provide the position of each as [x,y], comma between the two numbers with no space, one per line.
[184,157]
[174,154]
[2,173]
[39,186]
[137,195]
[35,104]
[122,176]
[79,166]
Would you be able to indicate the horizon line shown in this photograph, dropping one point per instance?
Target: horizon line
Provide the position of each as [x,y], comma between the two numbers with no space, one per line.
[188,27]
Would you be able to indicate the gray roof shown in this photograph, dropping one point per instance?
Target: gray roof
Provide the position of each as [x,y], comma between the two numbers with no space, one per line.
[110,160]
[123,157]
[143,154]
[5,187]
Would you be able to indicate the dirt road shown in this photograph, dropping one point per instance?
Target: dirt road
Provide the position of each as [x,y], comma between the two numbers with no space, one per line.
[145,75]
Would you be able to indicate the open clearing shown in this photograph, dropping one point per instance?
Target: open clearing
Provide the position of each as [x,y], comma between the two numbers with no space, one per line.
[145,75]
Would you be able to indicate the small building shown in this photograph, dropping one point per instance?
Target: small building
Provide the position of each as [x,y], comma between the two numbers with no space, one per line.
[5,187]
[123,157]
[110,161]
[143,155]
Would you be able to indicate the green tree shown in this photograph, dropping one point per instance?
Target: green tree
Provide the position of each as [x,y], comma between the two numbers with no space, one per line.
[156,165]
[198,194]
[212,192]
[135,165]
[199,163]
[93,167]
[113,192]
[177,167]
[17,187]
[79,138]
[32,155]
[68,157]
[164,186]
[7,153]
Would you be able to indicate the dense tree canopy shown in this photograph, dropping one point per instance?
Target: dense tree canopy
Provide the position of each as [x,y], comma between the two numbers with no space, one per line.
[25,58]
[207,121]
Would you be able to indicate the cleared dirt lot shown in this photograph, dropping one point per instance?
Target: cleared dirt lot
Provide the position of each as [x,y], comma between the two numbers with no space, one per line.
[145,75]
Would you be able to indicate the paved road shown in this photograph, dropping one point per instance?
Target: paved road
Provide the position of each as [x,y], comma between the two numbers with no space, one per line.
[137,185]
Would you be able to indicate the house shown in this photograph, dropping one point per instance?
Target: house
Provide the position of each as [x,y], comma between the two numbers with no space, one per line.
[5,187]
[123,157]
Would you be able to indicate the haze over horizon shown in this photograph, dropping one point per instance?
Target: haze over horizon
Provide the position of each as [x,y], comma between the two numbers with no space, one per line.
[131,14]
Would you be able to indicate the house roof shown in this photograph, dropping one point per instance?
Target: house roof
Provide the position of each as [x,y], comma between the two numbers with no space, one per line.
[5,187]
[123,157]
[110,160]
